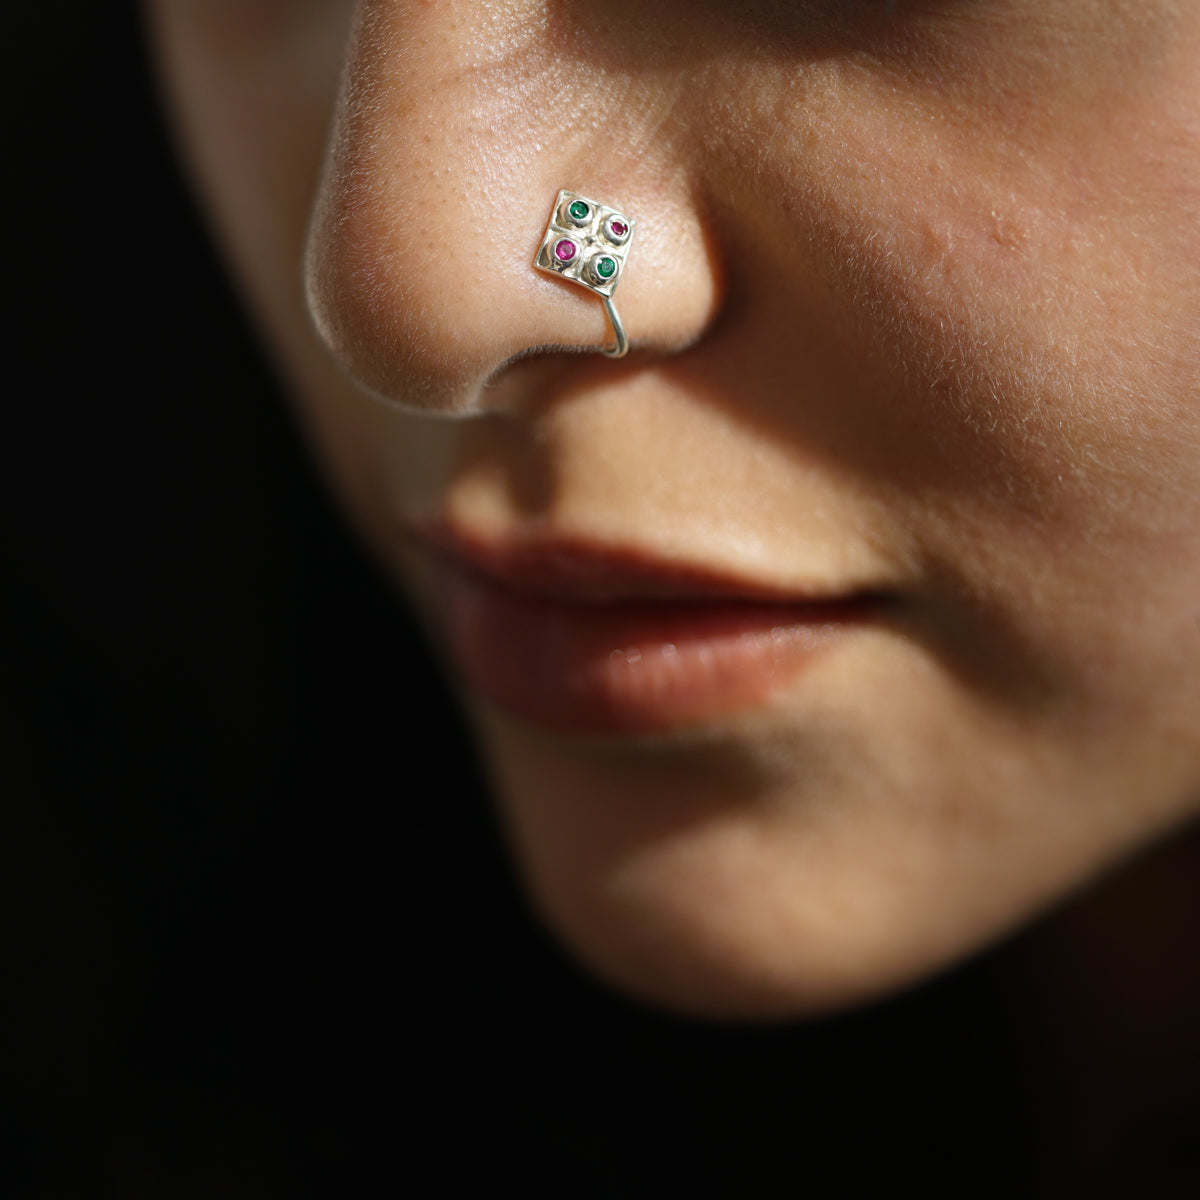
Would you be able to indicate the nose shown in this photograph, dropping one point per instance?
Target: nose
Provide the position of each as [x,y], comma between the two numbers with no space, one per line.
[457,126]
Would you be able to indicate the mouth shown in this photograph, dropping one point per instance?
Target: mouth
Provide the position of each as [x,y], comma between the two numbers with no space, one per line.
[586,639]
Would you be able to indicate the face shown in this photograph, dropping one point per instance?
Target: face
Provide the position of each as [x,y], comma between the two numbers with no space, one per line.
[854,616]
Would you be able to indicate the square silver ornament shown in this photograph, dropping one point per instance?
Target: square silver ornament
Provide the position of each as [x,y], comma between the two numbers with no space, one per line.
[585,242]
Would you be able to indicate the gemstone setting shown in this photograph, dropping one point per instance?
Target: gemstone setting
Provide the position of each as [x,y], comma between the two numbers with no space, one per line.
[616,230]
[574,212]
[602,268]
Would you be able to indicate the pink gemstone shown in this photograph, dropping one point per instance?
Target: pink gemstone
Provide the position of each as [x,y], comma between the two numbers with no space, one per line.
[564,250]
[619,228]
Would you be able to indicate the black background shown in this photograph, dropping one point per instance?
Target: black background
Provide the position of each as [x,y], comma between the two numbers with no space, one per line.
[259,937]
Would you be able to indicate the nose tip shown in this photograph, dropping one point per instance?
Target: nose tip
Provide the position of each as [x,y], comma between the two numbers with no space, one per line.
[414,301]
[437,192]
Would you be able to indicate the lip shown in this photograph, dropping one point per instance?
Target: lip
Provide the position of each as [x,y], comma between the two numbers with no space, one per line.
[587,639]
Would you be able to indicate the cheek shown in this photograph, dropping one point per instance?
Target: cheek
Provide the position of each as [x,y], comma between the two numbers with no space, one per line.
[1008,359]
[1048,313]
[1017,305]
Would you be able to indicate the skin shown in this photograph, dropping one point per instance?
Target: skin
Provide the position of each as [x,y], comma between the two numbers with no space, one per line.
[915,305]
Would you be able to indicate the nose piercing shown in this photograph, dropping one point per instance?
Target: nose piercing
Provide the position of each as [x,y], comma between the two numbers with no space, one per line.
[588,243]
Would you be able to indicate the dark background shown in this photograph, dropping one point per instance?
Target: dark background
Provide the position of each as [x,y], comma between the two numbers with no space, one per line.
[259,937]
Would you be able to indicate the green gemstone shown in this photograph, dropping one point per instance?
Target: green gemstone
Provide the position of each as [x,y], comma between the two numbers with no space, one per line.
[606,268]
[578,210]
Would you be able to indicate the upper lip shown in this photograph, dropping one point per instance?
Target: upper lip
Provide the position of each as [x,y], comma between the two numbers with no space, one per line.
[573,568]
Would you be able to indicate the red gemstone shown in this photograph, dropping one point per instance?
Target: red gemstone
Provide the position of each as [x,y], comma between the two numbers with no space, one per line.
[564,250]
[620,228]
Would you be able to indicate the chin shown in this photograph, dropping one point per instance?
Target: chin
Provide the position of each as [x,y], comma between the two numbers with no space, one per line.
[685,892]
[812,856]
[687,953]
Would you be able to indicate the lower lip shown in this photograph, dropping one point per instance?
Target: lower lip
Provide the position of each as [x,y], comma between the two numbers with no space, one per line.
[629,666]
